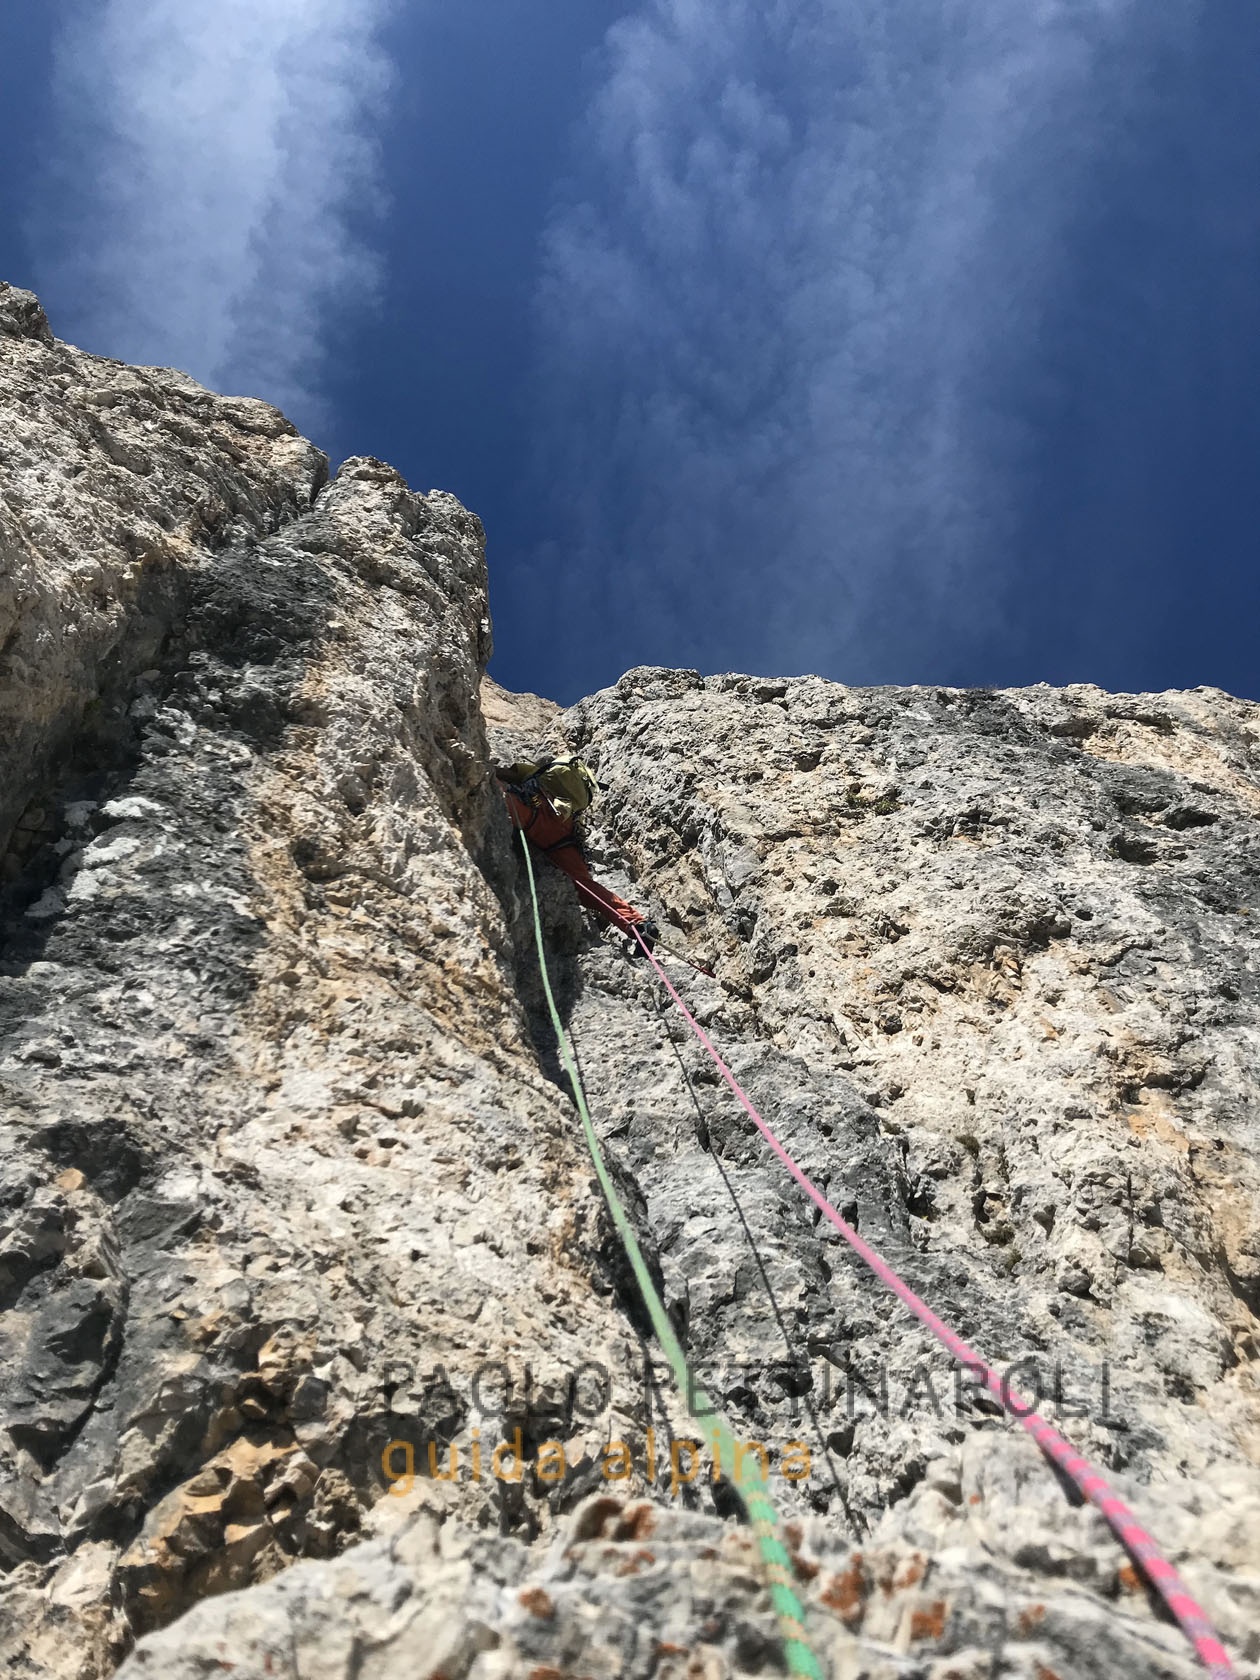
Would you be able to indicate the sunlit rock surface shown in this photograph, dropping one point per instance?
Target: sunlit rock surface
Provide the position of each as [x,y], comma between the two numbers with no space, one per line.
[288,1173]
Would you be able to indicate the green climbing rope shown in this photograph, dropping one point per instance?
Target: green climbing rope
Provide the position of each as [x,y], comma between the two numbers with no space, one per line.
[748,1478]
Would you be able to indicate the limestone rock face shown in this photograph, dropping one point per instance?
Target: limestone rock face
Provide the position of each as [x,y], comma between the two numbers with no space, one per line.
[317,1351]
[279,1169]
[118,481]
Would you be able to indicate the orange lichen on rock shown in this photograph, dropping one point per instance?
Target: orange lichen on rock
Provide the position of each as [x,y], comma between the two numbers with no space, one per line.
[846,1592]
[637,1561]
[1129,1578]
[638,1523]
[929,1622]
[537,1602]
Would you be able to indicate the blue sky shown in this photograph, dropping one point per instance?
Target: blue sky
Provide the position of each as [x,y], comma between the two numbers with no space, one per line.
[897,340]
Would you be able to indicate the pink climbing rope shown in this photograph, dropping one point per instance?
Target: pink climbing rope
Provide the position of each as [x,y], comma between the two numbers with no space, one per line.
[1131,1535]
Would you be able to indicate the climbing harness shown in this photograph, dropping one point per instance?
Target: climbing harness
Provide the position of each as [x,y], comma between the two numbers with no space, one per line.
[1136,1541]
[749,1480]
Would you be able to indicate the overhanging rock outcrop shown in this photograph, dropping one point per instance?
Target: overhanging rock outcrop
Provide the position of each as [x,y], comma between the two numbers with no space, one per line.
[287,1173]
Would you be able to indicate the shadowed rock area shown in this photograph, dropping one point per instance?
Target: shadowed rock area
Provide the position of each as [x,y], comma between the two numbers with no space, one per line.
[288,1172]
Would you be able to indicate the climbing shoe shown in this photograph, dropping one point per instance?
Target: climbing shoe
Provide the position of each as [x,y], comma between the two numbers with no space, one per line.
[648,932]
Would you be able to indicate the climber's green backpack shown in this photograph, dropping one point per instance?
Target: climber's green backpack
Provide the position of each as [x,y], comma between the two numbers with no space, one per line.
[566,783]
[569,786]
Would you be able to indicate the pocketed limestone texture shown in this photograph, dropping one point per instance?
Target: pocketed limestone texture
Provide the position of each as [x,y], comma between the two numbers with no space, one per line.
[280,1169]
[289,1172]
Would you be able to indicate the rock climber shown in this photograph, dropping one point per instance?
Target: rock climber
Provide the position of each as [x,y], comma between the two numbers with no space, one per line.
[546,798]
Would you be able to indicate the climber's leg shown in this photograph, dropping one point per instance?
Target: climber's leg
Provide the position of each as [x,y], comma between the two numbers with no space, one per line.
[567,855]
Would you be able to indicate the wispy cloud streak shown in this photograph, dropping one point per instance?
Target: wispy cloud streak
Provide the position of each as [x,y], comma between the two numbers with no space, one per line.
[215,165]
[806,248]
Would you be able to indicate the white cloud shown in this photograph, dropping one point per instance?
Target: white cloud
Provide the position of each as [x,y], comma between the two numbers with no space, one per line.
[806,248]
[211,159]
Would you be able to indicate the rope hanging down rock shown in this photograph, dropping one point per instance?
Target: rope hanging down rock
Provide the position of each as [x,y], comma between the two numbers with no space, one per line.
[748,1480]
[1136,1541]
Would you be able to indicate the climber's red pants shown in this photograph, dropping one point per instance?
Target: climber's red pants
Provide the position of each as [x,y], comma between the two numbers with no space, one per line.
[553,836]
